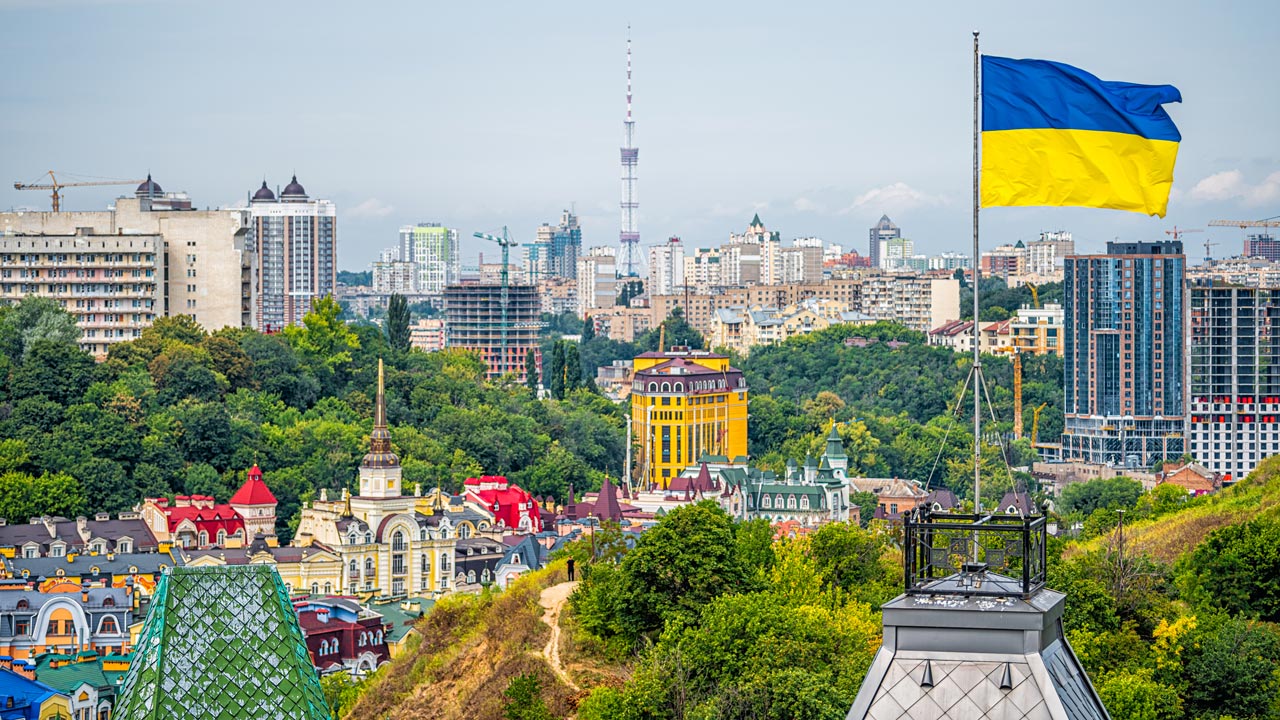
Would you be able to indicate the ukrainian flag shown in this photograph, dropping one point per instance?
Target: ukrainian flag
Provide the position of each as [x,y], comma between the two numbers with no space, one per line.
[1055,135]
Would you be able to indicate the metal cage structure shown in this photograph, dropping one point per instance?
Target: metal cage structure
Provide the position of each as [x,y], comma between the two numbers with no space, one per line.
[992,555]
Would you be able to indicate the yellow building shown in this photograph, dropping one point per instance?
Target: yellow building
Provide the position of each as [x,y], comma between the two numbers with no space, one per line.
[312,569]
[685,404]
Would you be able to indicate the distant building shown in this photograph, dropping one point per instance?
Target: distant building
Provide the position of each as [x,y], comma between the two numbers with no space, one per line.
[198,521]
[897,254]
[398,277]
[90,681]
[740,329]
[666,267]
[512,506]
[295,239]
[342,636]
[1037,331]
[203,267]
[558,295]
[1233,375]
[433,250]
[1004,261]
[1124,354]
[882,232]
[597,279]
[920,302]
[1262,245]
[474,321]
[686,404]
[59,537]
[555,251]
[623,324]
[1196,479]
[949,261]
[427,334]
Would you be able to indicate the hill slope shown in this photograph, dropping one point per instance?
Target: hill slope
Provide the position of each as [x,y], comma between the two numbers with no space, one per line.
[471,648]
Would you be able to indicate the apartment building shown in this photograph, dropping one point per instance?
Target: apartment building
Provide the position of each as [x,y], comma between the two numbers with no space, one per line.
[112,284]
[208,264]
[1233,374]
[475,320]
[920,302]
[597,279]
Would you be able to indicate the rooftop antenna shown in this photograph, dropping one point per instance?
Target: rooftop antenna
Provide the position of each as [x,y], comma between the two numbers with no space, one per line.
[630,234]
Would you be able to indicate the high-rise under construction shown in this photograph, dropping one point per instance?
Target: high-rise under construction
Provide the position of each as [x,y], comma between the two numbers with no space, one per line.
[474,321]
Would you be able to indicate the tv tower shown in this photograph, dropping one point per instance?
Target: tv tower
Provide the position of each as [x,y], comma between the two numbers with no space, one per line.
[630,235]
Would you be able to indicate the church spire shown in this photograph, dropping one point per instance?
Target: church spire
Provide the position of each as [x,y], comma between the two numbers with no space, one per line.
[380,453]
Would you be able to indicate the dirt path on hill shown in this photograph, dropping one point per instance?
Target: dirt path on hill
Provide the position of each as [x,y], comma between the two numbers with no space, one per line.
[552,601]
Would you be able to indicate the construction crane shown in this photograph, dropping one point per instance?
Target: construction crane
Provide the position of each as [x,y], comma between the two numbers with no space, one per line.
[1271,222]
[1035,294]
[56,186]
[506,243]
[1035,422]
[1178,232]
[1017,394]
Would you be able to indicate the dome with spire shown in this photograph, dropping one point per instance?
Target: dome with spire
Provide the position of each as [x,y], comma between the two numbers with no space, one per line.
[264,194]
[294,190]
[148,188]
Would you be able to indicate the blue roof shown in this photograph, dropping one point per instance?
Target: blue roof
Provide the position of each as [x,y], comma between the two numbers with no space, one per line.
[27,696]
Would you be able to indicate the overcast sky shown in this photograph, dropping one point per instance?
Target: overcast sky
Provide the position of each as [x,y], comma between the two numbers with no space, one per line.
[820,116]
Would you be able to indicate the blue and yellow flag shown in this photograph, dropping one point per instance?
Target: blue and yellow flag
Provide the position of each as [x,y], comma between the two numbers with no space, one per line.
[1053,134]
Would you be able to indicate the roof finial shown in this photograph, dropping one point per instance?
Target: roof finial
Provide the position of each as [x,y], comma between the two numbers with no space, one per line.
[380,408]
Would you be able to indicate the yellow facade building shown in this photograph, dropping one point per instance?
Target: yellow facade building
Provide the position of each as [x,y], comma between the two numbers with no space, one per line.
[685,404]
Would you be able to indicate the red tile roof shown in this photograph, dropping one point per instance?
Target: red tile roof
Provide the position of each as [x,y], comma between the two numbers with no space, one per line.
[254,491]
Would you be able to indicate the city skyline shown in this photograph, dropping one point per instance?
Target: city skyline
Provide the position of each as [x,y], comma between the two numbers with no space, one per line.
[475,135]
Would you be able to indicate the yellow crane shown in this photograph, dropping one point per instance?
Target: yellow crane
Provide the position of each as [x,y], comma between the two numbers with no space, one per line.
[56,186]
[1035,294]
[1035,422]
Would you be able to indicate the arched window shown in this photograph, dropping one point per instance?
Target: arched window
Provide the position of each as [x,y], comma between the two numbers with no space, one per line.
[679,387]
[653,387]
[23,604]
[328,588]
[777,501]
[352,567]
[666,387]
[804,503]
[397,541]
[471,576]
[791,502]
[379,636]
[108,602]
[108,626]
[444,563]
[368,565]
[222,537]
[464,531]
[766,502]
[426,563]
[204,537]
[360,643]
[422,534]
[315,588]
[368,538]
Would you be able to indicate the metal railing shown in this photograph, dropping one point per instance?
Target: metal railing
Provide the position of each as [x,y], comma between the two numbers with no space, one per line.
[957,554]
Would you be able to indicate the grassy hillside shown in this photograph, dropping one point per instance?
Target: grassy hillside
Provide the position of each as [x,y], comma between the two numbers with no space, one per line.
[471,648]
[1168,537]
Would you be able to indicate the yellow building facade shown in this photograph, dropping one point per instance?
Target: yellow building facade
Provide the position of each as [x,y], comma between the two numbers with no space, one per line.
[685,404]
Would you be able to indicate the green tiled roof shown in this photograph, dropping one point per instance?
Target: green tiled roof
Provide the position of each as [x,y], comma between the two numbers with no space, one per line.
[221,643]
[69,677]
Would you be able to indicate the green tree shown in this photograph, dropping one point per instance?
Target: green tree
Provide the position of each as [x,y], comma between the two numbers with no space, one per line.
[1231,670]
[56,370]
[1136,695]
[524,699]
[32,319]
[531,369]
[680,564]
[24,496]
[588,330]
[556,382]
[1237,569]
[398,323]
[324,337]
[1118,493]
[572,367]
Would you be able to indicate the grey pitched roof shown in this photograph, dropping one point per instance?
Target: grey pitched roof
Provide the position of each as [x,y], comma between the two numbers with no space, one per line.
[146,563]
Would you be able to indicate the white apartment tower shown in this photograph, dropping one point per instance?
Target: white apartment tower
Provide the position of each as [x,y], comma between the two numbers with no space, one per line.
[433,249]
[666,267]
[296,241]
[597,280]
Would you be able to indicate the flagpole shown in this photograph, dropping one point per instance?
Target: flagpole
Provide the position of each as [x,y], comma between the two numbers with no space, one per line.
[977,274]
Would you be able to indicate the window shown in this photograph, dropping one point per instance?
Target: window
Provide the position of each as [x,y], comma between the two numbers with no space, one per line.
[204,537]
[352,568]
[125,546]
[766,502]
[108,626]
[222,537]
[397,541]
[471,576]
[328,588]
[315,588]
